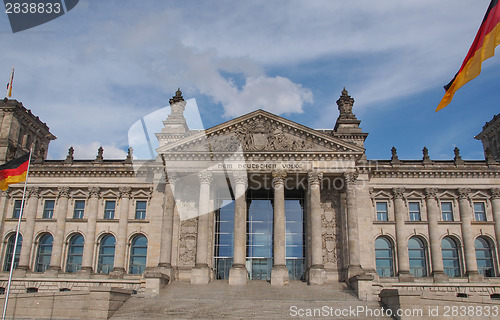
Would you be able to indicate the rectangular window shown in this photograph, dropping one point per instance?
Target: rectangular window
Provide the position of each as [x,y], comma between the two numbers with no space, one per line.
[109,210]
[48,209]
[79,209]
[447,211]
[382,211]
[414,211]
[17,209]
[479,212]
[140,210]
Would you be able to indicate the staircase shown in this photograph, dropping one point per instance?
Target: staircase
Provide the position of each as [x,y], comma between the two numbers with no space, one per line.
[256,300]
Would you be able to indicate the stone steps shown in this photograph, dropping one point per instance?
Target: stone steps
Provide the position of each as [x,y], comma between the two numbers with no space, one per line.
[256,300]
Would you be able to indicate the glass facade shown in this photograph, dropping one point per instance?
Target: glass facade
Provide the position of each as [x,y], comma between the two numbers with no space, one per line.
[260,239]
[295,245]
[75,253]
[224,239]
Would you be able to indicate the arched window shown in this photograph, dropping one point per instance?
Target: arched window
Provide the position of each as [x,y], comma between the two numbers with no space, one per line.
[418,257]
[106,258]
[384,258]
[44,252]
[138,254]
[75,253]
[10,250]
[451,257]
[484,257]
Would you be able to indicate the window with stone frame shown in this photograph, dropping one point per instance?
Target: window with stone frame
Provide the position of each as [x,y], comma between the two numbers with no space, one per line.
[479,211]
[382,211]
[48,209]
[109,209]
[17,209]
[414,210]
[79,209]
[140,209]
[447,210]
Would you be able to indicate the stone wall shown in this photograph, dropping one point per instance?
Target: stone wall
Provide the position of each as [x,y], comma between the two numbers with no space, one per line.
[96,303]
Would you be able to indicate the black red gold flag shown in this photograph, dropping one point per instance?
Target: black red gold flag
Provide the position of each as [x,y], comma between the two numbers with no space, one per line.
[14,171]
[483,47]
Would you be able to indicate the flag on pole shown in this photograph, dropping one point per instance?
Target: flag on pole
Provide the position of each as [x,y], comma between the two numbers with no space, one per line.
[483,47]
[14,171]
[9,85]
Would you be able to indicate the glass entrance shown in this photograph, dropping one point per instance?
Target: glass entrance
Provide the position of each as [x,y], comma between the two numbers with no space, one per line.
[260,239]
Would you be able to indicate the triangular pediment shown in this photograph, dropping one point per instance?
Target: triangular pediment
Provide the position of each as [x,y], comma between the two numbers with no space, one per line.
[261,132]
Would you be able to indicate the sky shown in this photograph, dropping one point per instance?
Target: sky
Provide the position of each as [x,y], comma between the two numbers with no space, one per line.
[94,72]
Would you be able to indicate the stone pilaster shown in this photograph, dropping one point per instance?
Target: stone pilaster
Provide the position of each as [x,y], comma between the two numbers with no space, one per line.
[238,273]
[4,204]
[57,248]
[495,205]
[200,274]
[167,224]
[401,243]
[279,272]
[24,259]
[121,241]
[354,266]
[88,249]
[433,213]
[317,274]
[467,236]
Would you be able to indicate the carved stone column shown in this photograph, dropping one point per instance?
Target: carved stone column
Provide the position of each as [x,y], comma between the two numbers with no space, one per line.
[167,224]
[62,210]
[467,236]
[354,267]
[317,272]
[434,235]
[495,205]
[200,274]
[121,241]
[88,249]
[401,241]
[24,259]
[238,273]
[279,272]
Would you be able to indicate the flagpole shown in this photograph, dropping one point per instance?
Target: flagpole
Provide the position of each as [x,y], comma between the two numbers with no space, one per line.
[15,242]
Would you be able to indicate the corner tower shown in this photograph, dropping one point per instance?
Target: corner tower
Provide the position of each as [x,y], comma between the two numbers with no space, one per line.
[21,130]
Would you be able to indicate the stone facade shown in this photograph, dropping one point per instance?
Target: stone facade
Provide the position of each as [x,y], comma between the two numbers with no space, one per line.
[376,225]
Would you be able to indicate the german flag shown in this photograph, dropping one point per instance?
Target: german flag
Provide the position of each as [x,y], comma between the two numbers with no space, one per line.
[483,47]
[14,171]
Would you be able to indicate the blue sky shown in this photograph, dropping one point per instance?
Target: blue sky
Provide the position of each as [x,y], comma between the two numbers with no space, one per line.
[92,73]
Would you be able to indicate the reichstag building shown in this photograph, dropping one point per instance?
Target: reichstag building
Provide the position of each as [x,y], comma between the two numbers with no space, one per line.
[258,197]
